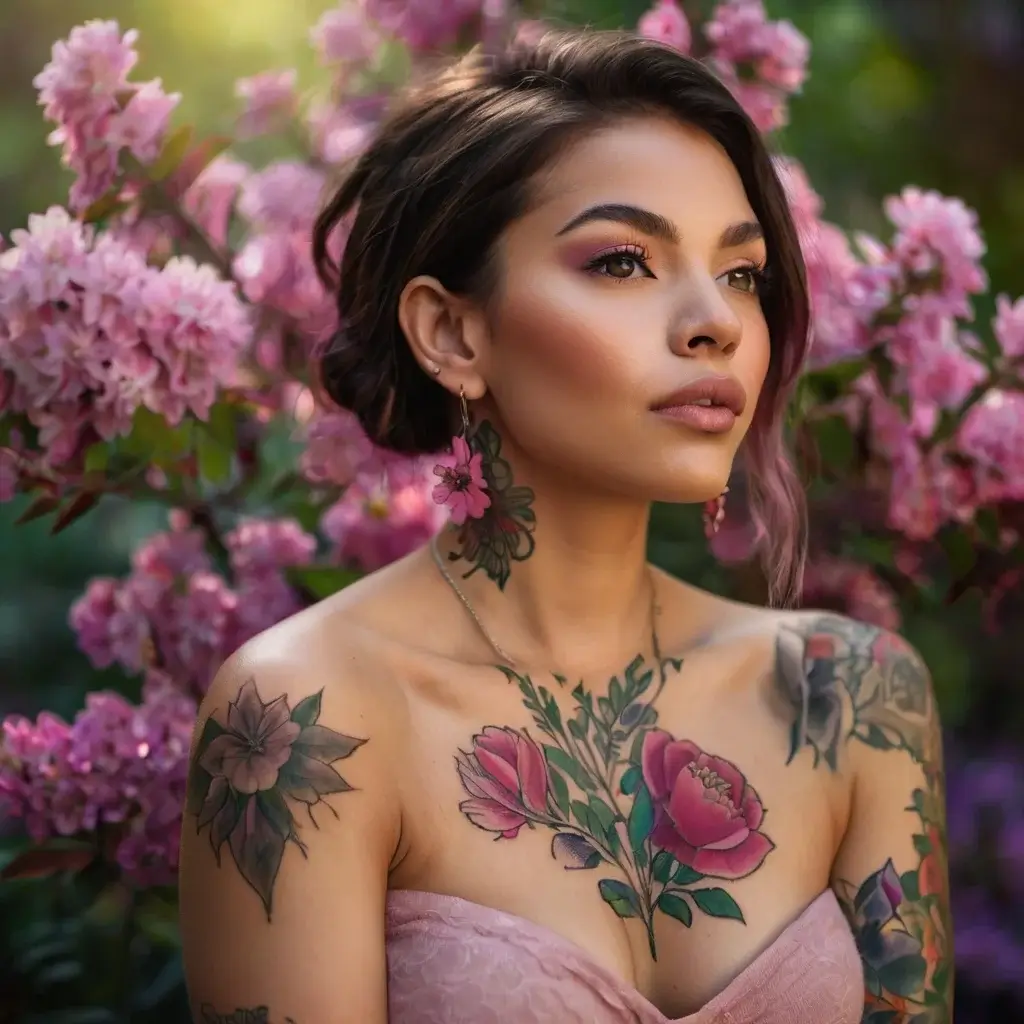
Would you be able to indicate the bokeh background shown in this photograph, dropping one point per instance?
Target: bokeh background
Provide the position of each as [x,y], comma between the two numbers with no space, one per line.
[925,92]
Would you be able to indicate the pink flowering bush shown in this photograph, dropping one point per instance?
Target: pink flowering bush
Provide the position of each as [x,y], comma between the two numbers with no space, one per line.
[155,337]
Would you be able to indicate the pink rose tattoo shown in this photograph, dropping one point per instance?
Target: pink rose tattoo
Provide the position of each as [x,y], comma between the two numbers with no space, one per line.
[507,779]
[620,793]
[705,813]
[249,776]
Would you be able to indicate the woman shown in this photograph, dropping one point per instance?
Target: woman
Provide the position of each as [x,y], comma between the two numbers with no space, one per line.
[520,774]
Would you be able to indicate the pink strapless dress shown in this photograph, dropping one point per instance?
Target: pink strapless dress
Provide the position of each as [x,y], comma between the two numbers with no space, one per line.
[455,962]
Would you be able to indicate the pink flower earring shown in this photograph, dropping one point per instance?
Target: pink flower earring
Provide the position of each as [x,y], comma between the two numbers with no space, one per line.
[714,514]
[463,488]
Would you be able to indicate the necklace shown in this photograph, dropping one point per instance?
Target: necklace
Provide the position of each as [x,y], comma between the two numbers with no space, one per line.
[502,654]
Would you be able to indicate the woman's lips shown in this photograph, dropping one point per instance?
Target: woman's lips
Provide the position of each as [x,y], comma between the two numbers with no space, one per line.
[713,419]
[711,404]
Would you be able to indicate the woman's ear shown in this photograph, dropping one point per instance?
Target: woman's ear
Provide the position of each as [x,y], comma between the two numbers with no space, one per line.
[447,335]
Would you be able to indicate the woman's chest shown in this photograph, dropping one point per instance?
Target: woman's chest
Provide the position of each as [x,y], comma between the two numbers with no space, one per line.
[653,821]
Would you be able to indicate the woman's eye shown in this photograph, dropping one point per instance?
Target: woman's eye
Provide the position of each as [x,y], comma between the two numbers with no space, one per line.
[744,279]
[621,266]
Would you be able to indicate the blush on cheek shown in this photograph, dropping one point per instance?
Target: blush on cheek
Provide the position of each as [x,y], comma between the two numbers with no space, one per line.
[560,332]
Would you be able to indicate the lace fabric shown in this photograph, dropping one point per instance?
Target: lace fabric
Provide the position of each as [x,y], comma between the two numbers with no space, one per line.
[451,961]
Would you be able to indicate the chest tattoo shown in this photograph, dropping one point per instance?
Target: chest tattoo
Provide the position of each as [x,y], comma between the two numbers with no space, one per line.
[619,794]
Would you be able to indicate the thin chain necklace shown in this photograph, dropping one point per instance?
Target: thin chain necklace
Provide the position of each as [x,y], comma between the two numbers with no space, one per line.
[504,655]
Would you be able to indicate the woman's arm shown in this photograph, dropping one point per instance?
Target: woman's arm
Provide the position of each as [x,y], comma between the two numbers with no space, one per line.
[290,827]
[866,709]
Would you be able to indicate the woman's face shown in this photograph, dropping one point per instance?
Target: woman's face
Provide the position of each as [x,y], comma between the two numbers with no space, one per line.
[629,301]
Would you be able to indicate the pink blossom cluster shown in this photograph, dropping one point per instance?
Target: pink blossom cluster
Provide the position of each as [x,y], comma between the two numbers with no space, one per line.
[666,23]
[274,265]
[764,62]
[89,333]
[176,611]
[386,510]
[268,99]
[210,199]
[344,35]
[931,485]
[851,588]
[117,769]
[85,91]
[379,521]
[423,24]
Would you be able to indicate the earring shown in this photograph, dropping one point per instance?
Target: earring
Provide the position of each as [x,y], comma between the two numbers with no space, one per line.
[435,369]
[714,514]
[463,488]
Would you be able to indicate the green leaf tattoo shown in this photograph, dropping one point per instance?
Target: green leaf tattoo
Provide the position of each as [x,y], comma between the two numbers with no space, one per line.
[250,775]
[846,680]
[619,794]
[504,534]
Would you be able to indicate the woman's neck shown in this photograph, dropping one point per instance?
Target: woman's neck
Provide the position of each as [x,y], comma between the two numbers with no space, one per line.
[582,601]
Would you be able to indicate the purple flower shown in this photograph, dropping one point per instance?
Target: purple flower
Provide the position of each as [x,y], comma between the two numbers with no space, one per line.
[257,743]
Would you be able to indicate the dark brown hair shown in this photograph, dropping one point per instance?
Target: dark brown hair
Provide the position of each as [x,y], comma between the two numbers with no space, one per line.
[452,166]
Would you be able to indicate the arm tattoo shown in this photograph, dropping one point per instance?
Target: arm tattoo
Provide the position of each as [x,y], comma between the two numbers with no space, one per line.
[621,796]
[251,775]
[902,926]
[846,680]
[243,1015]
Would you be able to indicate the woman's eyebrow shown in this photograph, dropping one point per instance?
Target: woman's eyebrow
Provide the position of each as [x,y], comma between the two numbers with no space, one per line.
[658,226]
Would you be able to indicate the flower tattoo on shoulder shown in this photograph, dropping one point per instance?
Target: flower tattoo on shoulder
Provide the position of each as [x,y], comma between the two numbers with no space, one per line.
[252,774]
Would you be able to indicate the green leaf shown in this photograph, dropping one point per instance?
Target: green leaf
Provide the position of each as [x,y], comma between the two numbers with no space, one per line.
[909,885]
[835,442]
[581,812]
[685,875]
[274,807]
[40,506]
[214,458]
[104,207]
[717,903]
[615,695]
[173,152]
[321,580]
[560,791]
[198,159]
[221,424]
[558,758]
[307,711]
[662,866]
[50,859]
[631,779]
[604,814]
[620,897]
[155,439]
[199,779]
[96,457]
[903,976]
[675,906]
[74,510]
[641,820]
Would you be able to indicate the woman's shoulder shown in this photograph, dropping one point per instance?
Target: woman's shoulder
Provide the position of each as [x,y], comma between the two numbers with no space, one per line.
[853,686]
[842,685]
[330,661]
